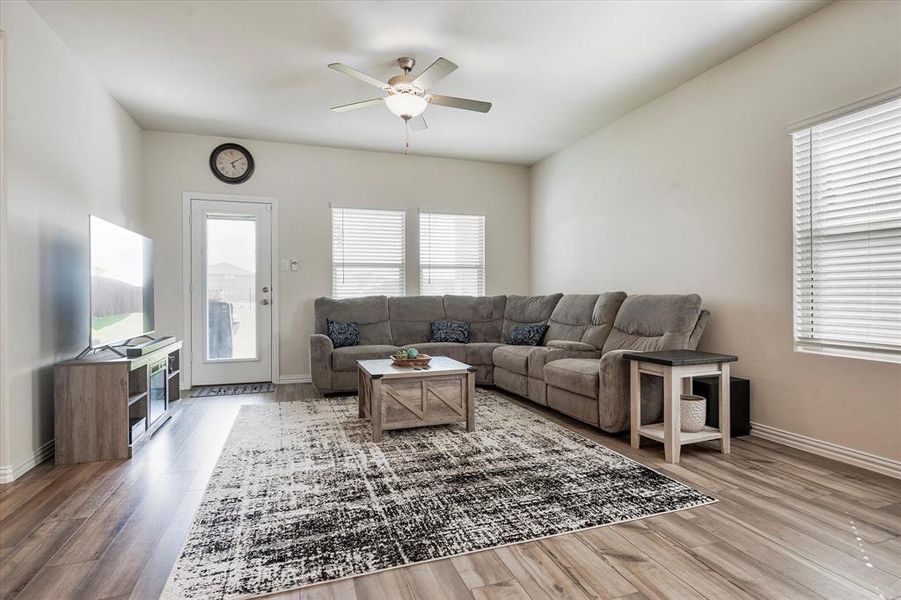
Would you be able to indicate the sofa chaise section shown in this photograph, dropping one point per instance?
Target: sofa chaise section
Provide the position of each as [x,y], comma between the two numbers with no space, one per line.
[597,391]
[577,327]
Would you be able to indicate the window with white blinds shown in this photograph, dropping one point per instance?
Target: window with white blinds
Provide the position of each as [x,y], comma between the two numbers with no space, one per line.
[847,234]
[451,254]
[367,252]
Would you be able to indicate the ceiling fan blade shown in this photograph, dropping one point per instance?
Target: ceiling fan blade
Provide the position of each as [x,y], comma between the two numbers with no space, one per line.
[418,124]
[358,75]
[464,103]
[437,71]
[356,105]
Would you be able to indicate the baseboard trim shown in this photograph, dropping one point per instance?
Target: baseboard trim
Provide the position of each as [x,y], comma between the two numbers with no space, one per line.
[9,473]
[295,379]
[864,460]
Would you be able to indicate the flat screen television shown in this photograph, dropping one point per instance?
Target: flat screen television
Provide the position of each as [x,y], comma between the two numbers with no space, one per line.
[121,284]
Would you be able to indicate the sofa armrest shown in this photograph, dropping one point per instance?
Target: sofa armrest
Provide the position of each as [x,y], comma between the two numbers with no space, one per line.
[614,395]
[321,348]
[567,345]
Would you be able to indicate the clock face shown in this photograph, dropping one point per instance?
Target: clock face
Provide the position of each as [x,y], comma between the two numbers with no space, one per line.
[231,163]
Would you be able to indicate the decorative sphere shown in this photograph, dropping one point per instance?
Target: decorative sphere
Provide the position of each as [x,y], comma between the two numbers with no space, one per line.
[412,352]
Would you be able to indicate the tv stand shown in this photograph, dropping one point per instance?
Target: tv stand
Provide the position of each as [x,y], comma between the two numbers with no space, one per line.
[131,350]
[107,405]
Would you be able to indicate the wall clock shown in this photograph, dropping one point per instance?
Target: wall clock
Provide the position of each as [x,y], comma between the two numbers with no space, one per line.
[231,163]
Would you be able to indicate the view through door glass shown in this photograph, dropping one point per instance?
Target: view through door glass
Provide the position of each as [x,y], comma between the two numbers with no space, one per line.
[231,282]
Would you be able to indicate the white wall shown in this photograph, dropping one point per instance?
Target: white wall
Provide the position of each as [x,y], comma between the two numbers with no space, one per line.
[70,150]
[305,179]
[692,193]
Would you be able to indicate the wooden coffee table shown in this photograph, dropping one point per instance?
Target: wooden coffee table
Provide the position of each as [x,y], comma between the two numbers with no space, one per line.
[403,397]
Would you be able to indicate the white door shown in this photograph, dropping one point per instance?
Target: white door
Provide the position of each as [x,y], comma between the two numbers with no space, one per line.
[231,292]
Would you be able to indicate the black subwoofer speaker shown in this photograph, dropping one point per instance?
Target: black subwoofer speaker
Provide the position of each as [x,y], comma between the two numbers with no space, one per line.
[739,402]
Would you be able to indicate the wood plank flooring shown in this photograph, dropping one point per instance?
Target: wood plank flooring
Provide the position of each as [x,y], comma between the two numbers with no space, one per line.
[788,525]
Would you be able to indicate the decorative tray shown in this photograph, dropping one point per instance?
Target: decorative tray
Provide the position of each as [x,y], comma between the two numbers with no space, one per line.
[420,361]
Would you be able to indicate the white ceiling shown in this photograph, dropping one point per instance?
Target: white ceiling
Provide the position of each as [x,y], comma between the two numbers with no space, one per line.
[555,71]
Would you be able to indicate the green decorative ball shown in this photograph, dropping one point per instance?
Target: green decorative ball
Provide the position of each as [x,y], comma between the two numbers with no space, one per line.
[412,352]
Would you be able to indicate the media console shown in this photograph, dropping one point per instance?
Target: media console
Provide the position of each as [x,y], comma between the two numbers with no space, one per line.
[106,406]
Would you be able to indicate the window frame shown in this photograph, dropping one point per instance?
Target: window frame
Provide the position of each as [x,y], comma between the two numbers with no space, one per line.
[483,253]
[864,351]
[335,264]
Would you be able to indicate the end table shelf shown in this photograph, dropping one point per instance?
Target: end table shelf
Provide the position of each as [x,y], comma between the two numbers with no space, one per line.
[678,368]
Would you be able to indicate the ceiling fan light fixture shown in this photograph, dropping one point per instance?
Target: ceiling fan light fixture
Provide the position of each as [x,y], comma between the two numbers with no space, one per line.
[406,105]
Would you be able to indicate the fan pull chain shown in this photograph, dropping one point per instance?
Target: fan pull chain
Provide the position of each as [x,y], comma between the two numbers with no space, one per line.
[406,137]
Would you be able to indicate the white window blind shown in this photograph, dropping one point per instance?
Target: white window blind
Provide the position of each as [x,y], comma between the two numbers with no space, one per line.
[451,254]
[847,234]
[367,252]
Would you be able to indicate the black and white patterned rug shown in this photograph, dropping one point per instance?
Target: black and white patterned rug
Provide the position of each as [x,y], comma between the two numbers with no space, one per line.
[301,495]
[232,389]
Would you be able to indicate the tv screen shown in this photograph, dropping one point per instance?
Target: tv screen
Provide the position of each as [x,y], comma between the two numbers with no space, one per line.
[121,284]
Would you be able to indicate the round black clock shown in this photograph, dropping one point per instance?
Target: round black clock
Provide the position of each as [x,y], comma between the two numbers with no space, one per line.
[231,163]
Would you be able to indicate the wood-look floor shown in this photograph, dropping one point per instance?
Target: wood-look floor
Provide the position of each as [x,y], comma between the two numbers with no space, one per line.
[788,525]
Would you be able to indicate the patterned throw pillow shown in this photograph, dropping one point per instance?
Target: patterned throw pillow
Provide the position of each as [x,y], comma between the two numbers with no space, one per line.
[527,335]
[450,331]
[343,334]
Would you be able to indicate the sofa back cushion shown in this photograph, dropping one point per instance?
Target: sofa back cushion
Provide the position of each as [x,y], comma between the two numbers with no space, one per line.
[525,310]
[654,322]
[602,318]
[369,313]
[485,315]
[412,316]
[571,317]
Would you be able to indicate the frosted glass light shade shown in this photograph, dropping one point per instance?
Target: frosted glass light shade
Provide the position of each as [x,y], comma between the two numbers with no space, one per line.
[406,106]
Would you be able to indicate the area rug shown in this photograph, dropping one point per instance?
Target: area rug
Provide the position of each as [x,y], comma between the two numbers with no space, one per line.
[301,495]
[232,389]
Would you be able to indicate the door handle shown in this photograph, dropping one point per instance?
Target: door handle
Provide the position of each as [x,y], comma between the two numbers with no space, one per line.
[265,288]
[264,301]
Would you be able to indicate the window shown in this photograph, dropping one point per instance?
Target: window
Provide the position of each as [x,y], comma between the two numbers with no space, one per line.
[847,234]
[367,252]
[451,254]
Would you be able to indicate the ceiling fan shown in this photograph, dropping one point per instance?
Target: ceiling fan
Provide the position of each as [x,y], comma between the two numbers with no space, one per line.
[408,96]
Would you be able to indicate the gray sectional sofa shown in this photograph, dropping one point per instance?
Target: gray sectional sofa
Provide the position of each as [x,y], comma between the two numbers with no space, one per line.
[577,370]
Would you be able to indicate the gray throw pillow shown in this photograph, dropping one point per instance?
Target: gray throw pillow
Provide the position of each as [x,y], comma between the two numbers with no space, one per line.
[343,334]
[450,331]
[527,335]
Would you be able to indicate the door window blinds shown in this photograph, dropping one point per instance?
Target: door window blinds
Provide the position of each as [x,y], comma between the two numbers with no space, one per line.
[847,233]
[367,252]
[451,254]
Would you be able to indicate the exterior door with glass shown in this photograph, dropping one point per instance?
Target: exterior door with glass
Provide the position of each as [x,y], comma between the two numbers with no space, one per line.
[231,292]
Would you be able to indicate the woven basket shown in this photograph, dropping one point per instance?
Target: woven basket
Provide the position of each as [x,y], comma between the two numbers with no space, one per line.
[692,413]
[420,361]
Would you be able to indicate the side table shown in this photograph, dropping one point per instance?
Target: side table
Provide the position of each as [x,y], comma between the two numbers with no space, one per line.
[678,368]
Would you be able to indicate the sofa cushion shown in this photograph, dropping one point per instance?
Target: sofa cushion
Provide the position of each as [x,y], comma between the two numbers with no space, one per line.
[513,358]
[343,334]
[524,310]
[602,318]
[480,353]
[450,331]
[654,322]
[571,317]
[450,349]
[370,313]
[578,375]
[412,316]
[485,315]
[345,359]
[527,335]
